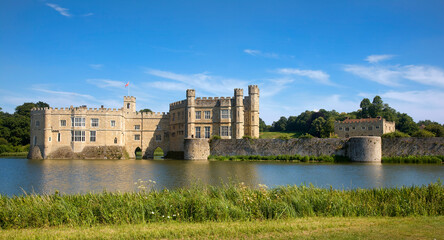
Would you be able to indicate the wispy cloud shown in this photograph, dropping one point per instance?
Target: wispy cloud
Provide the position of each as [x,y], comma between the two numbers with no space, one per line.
[260,53]
[106,83]
[87,14]
[392,75]
[274,86]
[96,66]
[378,58]
[201,81]
[65,94]
[62,11]
[317,75]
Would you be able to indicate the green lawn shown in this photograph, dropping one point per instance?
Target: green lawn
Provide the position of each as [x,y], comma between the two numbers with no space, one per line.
[279,134]
[300,228]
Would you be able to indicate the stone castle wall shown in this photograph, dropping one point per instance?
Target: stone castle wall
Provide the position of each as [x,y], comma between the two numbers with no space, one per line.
[413,146]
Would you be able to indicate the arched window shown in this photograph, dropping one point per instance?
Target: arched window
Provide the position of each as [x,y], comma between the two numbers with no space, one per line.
[115,140]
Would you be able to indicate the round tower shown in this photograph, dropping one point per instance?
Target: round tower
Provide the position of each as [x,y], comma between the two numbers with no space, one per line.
[238,114]
[190,113]
[365,149]
[253,92]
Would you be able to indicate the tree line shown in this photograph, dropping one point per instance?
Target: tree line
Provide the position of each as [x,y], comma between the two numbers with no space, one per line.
[15,128]
[321,123]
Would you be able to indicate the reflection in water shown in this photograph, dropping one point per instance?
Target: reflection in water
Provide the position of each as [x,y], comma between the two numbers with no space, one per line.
[81,176]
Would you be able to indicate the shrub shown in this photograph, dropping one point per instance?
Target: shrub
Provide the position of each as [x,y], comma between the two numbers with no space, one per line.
[423,133]
[396,134]
[307,135]
[246,137]
[284,137]
[215,137]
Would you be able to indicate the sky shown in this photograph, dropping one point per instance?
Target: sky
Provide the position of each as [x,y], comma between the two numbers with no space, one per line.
[303,55]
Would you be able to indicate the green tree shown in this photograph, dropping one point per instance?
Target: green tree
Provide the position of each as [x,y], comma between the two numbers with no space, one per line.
[423,133]
[280,125]
[365,105]
[146,110]
[317,127]
[406,124]
[262,126]
[376,107]
[435,128]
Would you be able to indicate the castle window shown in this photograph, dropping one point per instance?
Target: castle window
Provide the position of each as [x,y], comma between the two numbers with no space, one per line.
[49,139]
[137,137]
[35,140]
[113,123]
[207,132]
[62,123]
[347,129]
[115,140]
[128,105]
[363,128]
[58,137]
[158,138]
[174,116]
[78,122]
[353,128]
[370,128]
[158,127]
[224,131]
[37,123]
[173,134]
[207,115]
[92,136]
[198,132]
[340,128]
[77,136]
[94,122]
[225,114]
[377,127]
[198,114]
[137,127]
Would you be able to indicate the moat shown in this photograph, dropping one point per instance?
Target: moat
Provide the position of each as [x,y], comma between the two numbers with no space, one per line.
[82,176]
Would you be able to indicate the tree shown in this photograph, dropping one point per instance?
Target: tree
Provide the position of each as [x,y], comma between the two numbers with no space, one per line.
[146,110]
[406,124]
[280,125]
[436,129]
[376,107]
[317,127]
[423,133]
[365,105]
[262,126]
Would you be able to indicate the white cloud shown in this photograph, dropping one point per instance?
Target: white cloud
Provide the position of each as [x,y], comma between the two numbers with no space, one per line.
[381,75]
[65,94]
[87,14]
[106,83]
[274,86]
[260,53]
[62,11]
[378,58]
[420,105]
[168,86]
[391,75]
[199,81]
[316,75]
[96,66]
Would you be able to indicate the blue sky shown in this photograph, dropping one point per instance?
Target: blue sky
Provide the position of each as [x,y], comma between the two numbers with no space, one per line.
[304,55]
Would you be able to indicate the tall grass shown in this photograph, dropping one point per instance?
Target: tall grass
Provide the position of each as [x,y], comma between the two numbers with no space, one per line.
[290,158]
[210,203]
[413,159]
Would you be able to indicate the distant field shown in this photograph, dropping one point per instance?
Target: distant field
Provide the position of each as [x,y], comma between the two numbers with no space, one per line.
[279,134]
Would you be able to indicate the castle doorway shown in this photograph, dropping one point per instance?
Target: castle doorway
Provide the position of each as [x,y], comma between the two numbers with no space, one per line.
[158,153]
[138,153]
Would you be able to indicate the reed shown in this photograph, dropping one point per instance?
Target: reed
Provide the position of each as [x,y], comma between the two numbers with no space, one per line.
[414,159]
[229,202]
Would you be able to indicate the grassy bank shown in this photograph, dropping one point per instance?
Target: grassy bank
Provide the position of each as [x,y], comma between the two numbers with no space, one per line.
[302,228]
[14,154]
[284,135]
[290,158]
[233,202]
[414,159]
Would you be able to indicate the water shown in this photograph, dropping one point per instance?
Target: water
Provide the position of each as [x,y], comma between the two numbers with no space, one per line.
[82,176]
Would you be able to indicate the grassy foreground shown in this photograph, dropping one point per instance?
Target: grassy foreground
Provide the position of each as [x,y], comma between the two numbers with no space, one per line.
[301,228]
[231,202]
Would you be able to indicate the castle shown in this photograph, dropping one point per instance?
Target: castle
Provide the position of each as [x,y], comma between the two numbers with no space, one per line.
[76,128]
[363,127]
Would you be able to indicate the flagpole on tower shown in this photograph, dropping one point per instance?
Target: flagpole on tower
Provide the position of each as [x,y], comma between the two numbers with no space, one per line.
[127,86]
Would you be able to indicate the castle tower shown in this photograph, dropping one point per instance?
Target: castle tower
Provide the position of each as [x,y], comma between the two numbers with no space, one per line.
[238,114]
[129,104]
[253,92]
[190,113]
